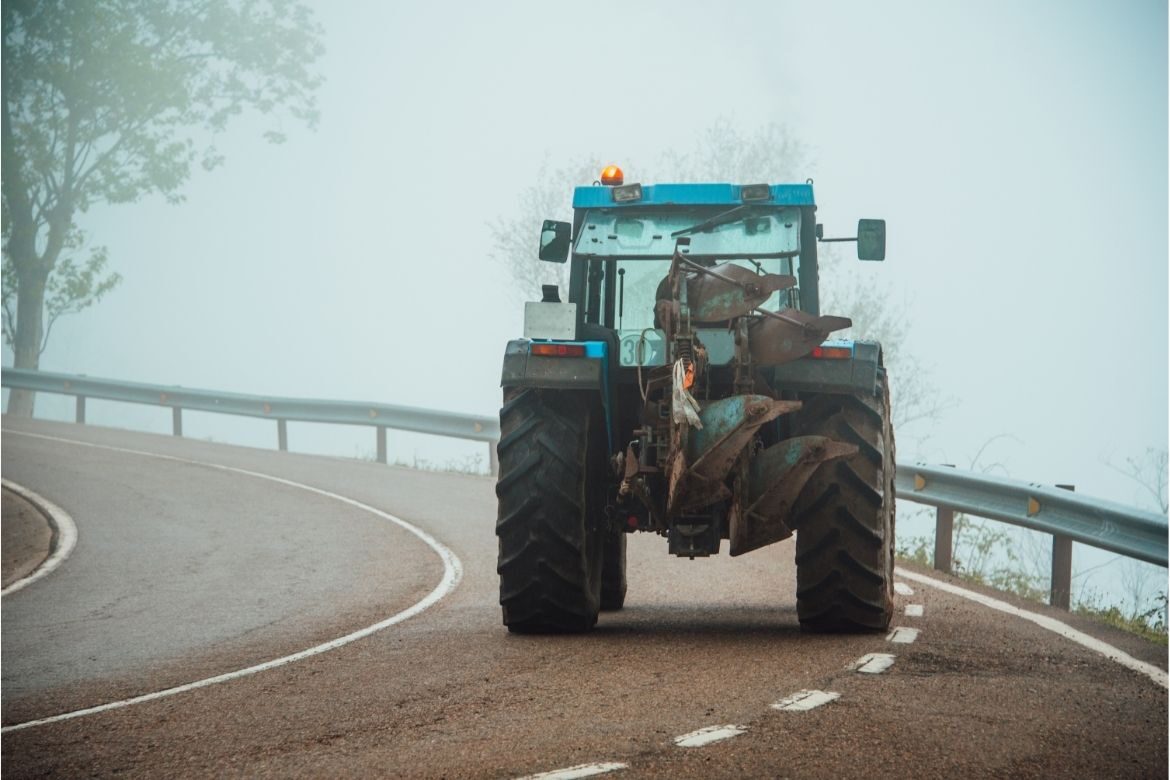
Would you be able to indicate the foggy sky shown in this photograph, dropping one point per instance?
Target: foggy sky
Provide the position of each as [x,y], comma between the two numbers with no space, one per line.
[1018,152]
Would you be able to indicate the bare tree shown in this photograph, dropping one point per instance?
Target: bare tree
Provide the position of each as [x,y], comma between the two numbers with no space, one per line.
[515,237]
[1149,472]
[725,151]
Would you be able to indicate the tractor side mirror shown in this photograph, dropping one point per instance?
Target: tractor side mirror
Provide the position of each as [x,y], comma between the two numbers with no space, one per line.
[871,239]
[555,238]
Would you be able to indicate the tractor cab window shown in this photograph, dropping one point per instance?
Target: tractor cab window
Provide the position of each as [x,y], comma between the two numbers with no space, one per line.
[637,286]
[627,253]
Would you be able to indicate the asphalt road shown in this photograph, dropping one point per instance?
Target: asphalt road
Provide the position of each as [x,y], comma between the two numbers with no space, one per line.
[182,572]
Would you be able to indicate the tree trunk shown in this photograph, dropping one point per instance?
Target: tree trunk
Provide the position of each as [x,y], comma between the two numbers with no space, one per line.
[30,310]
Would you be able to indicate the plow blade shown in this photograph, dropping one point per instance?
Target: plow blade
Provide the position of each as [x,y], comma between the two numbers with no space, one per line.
[790,334]
[729,424]
[775,478]
[729,291]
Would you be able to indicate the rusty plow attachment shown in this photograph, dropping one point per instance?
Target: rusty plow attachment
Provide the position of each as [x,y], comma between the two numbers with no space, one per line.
[787,335]
[775,478]
[729,425]
[728,291]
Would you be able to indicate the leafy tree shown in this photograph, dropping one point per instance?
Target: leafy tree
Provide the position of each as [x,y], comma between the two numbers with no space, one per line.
[725,152]
[108,101]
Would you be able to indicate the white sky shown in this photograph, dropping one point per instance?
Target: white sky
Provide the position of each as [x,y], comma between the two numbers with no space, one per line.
[1018,152]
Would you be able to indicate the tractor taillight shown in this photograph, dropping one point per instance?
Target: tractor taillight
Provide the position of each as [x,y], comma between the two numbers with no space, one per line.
[612,175]
[558,350]
[831,353]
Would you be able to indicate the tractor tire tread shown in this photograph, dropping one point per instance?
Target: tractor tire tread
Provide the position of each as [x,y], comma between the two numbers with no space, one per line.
[845,518]
[548,564]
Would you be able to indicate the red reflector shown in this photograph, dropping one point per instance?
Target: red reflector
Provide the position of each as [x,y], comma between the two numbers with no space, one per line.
[831,353]
[558,350]
[632,521]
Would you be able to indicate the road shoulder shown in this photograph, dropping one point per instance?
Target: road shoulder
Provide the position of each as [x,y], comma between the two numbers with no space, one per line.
[26,538]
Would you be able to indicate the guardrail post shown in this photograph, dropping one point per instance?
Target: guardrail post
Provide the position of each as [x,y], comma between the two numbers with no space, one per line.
[493,459]
[81,409]
[381,429]
[1061,589]
[177,420]
[282,435]
[944,531]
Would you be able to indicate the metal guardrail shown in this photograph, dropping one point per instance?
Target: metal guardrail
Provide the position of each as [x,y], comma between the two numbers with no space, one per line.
[1065,515]
[1054,510]
[282,410]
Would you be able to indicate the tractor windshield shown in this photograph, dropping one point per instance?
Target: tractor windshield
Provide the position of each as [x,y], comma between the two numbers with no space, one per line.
[714,231]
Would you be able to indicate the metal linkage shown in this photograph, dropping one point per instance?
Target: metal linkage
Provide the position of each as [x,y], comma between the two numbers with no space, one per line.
[379,416]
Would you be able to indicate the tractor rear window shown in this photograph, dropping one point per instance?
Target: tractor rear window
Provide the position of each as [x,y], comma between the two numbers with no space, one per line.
[638,286]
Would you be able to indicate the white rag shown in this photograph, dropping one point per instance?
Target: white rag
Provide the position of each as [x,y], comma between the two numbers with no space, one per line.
[684,408]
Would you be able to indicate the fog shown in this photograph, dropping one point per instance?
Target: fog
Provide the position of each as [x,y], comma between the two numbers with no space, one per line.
[1018,152]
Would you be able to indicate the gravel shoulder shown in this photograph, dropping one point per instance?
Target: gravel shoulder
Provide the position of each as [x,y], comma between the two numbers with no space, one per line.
[25,536]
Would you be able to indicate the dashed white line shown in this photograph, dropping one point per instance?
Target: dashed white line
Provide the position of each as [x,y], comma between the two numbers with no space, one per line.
[66,535]
[873,663]
[706,736]
[902,589]
[452,574]
[902,635]
[913,610]
[575,772]
[1155,673]
[805,700]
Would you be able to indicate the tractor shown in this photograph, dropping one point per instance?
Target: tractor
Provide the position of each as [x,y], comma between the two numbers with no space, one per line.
[689,387]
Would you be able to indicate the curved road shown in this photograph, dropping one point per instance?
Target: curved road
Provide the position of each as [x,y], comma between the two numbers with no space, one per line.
[183,571]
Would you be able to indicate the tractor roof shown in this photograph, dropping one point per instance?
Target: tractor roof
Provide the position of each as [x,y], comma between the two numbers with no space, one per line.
[600,196]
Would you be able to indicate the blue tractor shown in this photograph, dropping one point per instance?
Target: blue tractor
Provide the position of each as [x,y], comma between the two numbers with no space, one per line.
[688,387]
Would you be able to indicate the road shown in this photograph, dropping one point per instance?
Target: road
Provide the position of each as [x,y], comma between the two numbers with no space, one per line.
[182,572]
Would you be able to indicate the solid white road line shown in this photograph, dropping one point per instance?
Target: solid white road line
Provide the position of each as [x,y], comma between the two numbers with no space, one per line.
[66,535]
[913,610]
[804,701]
[902,589]
[873,663]
[574,772]
[708,735]
[452,574]
[902,635]
[1052,624]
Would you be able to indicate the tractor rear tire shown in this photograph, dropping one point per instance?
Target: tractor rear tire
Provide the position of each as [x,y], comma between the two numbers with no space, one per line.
[613,571]
[845,517]
[550,524]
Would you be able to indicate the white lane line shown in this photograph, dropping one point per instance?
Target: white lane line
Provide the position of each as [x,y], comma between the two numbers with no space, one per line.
[902,635]
[913,610]
[574,772]
[804,701]
[902,589]
[873,663]
[706,736]
[1068,632]
[452,574]
[66,535]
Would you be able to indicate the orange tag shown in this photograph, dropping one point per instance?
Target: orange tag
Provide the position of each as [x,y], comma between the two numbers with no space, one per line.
[689,379]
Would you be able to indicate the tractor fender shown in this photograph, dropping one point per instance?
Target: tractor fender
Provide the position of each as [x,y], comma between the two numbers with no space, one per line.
[859,372]
[589,371]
